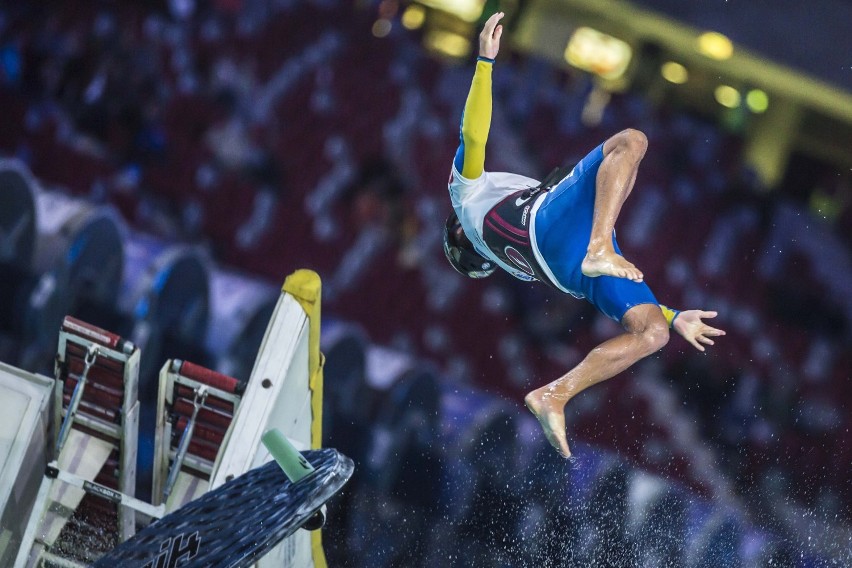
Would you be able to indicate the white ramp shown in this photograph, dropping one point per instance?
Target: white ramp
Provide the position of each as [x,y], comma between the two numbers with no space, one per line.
[284,392]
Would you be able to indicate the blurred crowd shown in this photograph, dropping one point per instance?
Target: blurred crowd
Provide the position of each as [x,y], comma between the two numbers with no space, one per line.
[283,134]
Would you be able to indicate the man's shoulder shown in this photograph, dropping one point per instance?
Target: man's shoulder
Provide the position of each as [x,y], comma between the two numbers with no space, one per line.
[511,180]
[502,180]
[459,180]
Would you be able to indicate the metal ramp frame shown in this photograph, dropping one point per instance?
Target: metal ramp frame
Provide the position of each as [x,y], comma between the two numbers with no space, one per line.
[95,401]
[195,409]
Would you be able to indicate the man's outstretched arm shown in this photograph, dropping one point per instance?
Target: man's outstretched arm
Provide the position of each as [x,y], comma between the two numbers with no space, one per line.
[690,326]
[476,119]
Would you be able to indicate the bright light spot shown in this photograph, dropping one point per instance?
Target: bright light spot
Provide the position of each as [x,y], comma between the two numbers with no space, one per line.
[467,10]
[447,43]
[727,96]
[757,100]
[598,53]
[381,27]
[413,17]
[715,45]
[674,72]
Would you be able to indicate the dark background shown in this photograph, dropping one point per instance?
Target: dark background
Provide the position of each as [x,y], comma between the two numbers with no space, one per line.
[276,135]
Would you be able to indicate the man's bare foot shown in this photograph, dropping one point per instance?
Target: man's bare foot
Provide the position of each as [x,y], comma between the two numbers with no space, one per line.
[551,415]
[608,263]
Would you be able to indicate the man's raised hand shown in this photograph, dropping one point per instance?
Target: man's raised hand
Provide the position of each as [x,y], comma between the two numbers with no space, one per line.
[690,326]
[489,39]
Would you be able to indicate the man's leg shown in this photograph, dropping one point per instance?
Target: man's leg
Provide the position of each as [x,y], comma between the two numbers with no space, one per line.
[616,175]
[647,332]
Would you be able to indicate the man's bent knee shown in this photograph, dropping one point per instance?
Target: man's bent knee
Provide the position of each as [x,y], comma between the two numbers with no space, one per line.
[655,336]
[629,140]
[646,322]
[635,140]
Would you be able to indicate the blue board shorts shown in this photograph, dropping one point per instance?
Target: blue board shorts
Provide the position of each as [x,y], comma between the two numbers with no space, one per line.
[563,227]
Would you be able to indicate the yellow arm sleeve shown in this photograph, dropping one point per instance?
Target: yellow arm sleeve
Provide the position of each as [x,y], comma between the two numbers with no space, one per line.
[669,314]
[476,121]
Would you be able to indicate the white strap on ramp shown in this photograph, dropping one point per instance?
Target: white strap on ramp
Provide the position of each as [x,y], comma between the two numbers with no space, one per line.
[83,456]
[187,488]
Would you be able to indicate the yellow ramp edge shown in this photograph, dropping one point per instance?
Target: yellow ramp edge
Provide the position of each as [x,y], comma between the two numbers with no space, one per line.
[306,288]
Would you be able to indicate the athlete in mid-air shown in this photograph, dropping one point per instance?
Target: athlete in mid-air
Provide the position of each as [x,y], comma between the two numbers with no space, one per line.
[559,232]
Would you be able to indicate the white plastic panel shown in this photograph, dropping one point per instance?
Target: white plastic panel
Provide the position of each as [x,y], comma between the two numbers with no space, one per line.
[278,396]
[24,418]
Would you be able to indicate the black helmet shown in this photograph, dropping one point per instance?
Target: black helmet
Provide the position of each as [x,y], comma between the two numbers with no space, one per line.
[461,254]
